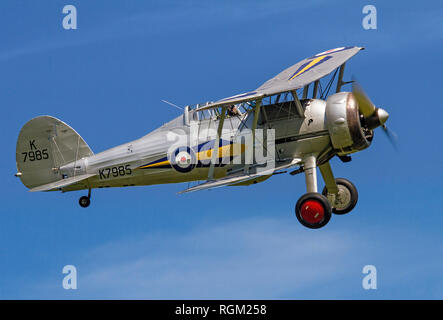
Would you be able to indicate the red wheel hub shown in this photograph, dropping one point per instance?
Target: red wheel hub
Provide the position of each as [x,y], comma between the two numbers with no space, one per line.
[312,211]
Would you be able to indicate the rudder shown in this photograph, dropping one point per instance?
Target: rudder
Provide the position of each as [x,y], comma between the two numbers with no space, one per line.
[45,144]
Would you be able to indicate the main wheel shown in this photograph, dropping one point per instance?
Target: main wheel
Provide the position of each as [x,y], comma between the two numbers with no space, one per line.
[346,198]
[313,210]
[84,201]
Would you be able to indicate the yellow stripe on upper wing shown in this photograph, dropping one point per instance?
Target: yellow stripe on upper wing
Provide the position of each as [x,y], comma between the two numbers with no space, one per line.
[309,65]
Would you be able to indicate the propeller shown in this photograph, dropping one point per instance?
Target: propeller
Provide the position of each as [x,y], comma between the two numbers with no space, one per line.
[391,135]
[365,105]
[375,117]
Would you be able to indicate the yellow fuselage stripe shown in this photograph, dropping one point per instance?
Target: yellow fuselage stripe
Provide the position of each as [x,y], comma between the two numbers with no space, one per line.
[224,151]
[157,164]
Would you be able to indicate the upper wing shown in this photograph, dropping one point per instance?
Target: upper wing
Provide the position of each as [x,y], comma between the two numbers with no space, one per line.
[294,77]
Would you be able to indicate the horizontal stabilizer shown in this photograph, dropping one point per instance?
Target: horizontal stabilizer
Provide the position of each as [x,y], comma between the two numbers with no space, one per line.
[62,183]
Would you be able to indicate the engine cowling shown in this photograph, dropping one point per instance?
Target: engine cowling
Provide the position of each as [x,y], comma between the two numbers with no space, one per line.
[344,124]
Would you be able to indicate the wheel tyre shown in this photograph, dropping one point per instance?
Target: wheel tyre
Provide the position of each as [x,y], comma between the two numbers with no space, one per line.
[84,201]
[352,190]
[317,204]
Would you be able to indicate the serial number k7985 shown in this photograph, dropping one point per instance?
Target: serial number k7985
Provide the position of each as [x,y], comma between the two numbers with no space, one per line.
[115,172]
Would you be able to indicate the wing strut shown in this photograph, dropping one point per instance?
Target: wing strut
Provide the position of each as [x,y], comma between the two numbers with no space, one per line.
[254,126]
[314,94]
[216,144]
[298,106]
[305,91]
[340,77]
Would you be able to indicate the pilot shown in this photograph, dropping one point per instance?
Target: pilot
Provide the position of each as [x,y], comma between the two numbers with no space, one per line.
[233,111]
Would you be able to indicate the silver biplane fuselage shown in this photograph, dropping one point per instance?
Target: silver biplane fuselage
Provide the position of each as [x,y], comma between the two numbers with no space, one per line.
[146,161]
[205,141]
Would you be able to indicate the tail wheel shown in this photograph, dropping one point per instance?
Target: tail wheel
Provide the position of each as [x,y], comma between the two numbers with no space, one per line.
[84,201]
[313,210]
[346,198]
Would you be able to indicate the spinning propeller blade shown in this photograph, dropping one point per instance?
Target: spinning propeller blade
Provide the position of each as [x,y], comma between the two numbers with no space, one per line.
[391,135]
[375,117]
[365,105]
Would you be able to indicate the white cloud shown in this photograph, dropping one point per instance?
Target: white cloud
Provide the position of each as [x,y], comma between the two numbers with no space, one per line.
[248,259]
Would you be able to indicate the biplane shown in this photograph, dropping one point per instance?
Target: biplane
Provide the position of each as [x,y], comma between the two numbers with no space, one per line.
[291,121]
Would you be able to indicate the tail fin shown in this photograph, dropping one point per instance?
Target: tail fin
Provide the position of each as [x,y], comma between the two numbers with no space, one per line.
[44,145]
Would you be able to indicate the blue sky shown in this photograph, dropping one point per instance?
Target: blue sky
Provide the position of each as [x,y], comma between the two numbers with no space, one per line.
[107,78]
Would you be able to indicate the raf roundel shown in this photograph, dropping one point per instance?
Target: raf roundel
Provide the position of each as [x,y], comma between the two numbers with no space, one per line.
[183,159]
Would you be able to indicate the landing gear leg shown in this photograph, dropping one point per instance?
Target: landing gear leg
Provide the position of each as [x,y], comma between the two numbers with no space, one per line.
[341,193]
[331,185]
[310,166]
[85,201]
[313,209]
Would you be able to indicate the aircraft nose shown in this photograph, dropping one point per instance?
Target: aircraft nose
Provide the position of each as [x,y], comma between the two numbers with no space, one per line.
[382,115]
